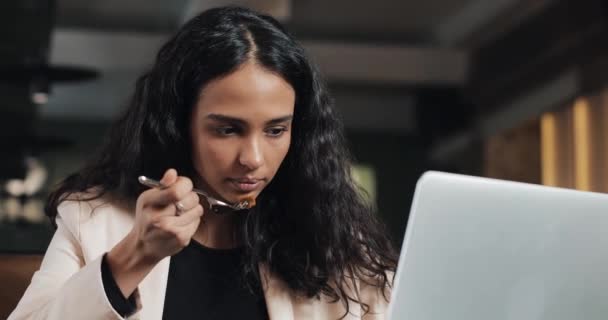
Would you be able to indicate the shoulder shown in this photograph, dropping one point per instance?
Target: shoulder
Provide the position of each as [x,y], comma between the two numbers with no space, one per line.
[375,289]
[374,295]
[85,209]
[79,207]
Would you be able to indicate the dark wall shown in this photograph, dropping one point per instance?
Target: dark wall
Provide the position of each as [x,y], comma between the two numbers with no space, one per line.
[398,161]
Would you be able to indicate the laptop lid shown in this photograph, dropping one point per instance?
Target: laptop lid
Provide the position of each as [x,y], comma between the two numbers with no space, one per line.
[478,248]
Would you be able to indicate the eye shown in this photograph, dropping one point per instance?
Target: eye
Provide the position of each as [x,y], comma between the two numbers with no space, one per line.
[226,131]
[276,131]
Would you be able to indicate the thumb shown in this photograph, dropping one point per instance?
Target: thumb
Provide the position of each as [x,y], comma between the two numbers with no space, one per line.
[169,177]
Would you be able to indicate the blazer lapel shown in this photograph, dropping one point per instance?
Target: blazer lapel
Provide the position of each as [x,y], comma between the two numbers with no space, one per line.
[152,291]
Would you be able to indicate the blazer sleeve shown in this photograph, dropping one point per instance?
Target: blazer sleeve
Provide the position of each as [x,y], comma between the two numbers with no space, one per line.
[65,287]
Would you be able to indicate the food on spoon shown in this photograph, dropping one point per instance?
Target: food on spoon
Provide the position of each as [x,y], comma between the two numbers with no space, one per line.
[247,203]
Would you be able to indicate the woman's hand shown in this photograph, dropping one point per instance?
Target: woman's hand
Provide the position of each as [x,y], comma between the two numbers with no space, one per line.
[165,221]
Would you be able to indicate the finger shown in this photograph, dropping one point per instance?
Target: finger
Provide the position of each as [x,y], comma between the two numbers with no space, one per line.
[173,223]
[169,177]
[152,195]
[148,200]
[190,230]
[149,197]
[161,201]
[188,217]
[173,193]
[188,202]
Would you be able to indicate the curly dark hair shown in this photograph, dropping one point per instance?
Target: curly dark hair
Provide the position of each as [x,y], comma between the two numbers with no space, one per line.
[311,226]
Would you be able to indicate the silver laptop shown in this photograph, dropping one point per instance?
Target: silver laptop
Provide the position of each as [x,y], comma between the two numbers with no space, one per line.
[483,249]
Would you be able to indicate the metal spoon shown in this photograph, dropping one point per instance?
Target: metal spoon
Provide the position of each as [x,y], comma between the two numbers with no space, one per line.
[214,204]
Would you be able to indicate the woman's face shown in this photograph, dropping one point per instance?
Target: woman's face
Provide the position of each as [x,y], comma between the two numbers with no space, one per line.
[241,131]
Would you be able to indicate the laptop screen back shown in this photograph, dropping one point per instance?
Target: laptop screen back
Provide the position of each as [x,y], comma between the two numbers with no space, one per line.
[478,249]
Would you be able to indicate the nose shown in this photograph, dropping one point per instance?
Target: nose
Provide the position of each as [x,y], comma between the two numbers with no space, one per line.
[251,155]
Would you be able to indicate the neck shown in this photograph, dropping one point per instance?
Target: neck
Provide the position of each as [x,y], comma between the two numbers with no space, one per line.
[218,231]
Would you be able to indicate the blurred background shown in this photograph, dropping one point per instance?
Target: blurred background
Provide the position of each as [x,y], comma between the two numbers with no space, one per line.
[510,89]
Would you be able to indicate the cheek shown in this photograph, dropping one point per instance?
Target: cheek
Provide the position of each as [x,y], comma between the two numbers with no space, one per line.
[210,156]
[217,151]
[279,152]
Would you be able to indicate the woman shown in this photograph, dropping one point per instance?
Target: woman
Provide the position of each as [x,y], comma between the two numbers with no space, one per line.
[231,106]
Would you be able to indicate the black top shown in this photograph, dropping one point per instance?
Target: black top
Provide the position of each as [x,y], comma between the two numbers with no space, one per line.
[203,283]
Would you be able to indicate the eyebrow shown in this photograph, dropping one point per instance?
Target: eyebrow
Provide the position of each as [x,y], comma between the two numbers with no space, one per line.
[223,118]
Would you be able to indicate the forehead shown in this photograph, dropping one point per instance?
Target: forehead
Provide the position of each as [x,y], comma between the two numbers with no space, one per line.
[250,89]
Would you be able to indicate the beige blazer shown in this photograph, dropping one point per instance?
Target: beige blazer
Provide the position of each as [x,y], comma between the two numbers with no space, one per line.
[69,285]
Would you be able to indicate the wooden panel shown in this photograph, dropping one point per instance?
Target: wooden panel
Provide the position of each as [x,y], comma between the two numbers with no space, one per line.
[15,274]
[557,158]
[515,154]
[598,137]
[574,145]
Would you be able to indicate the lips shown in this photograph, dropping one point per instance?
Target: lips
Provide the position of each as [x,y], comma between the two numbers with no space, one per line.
[246,184]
